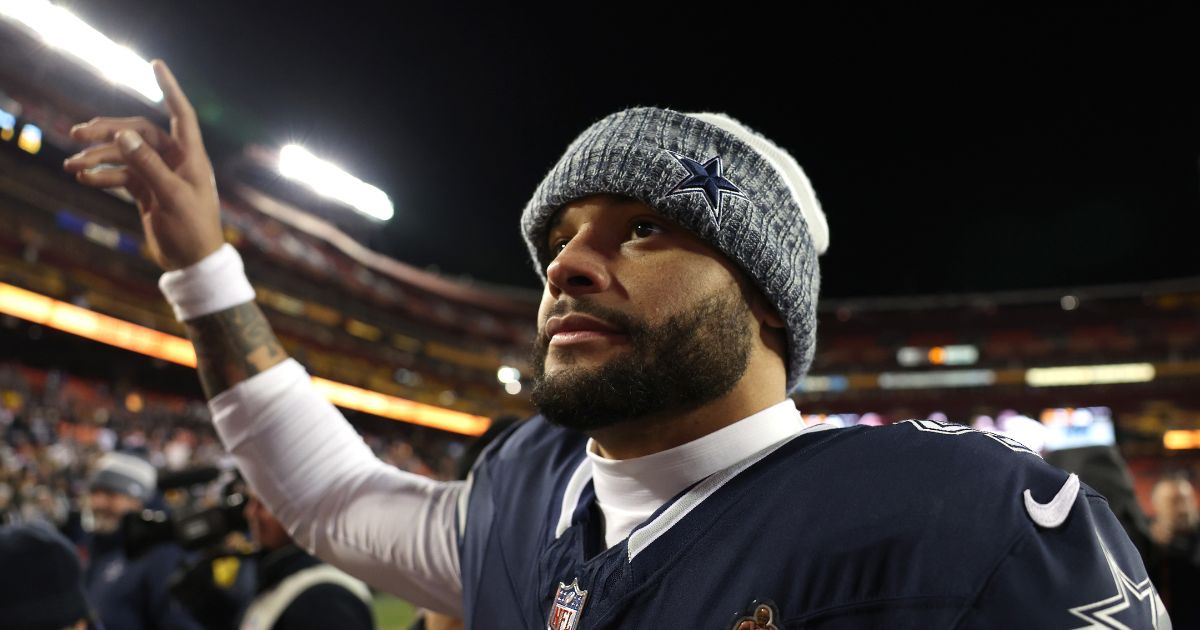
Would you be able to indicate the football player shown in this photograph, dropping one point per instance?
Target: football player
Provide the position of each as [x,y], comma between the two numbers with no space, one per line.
[669,479]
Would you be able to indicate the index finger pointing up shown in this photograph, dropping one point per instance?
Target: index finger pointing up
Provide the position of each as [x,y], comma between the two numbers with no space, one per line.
[183,116]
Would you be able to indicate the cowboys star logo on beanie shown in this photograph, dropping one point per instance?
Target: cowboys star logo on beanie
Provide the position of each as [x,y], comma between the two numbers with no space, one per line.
[718,178]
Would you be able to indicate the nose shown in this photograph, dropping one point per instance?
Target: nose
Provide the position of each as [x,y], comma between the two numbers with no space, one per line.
[580,268]
[99,501]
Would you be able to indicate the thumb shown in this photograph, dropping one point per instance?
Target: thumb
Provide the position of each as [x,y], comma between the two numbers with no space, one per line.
[147,164]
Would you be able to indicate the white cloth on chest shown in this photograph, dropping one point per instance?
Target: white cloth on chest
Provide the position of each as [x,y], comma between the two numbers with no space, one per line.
[629,491]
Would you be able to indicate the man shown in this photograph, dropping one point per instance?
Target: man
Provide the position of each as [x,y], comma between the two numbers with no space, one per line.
[295,591]
[41,584]
[1176,515]
[1174,560]
[128,591]
[670,479]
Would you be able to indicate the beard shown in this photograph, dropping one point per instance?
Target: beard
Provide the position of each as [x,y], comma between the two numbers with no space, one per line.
[101,522]
[674,367]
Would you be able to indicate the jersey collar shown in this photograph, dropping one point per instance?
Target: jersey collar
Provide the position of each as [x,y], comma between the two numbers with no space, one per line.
[629,491]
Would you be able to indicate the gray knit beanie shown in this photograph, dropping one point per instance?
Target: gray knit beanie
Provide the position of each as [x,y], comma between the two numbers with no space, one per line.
[711,174]
[125,474]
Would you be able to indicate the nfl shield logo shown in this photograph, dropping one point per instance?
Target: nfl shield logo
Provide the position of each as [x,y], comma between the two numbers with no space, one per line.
[568,605]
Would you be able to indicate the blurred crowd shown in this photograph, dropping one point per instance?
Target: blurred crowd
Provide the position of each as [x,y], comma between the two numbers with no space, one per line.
[83,462]
[54,428]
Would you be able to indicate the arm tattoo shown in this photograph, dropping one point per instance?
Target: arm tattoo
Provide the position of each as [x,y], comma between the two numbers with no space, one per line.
[232,345]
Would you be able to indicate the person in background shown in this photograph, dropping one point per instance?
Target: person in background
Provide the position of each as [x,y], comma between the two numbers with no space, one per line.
[46,593]
[1103,468]
[297,591]
[129,591]
[1174,561]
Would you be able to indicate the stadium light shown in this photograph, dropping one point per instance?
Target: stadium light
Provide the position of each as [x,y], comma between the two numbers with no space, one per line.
[508,374]
[8,124]
[831,383]
[30,139]
[397,408]
[76,320]
[52,313]
[912,356]
[933,380]
[61,29]
[1181,439]
[329,180]
[1090,374]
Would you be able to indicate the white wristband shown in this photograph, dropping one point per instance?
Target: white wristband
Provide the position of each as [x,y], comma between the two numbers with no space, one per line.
[214,284]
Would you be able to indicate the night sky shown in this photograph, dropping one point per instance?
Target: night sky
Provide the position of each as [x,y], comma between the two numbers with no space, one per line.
[953,152]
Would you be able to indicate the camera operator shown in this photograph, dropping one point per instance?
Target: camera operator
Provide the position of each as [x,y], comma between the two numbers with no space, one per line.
[295,590]
[128,590]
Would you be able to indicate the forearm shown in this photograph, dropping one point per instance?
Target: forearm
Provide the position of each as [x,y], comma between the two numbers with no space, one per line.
[233,345]
[215,301]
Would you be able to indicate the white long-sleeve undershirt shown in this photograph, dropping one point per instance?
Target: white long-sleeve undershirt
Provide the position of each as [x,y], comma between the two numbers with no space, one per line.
[387,527]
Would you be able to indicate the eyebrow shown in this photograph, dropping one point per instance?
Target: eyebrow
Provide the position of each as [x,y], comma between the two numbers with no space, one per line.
[555,220]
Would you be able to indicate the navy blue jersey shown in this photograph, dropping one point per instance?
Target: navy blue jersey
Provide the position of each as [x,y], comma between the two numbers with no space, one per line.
[914,525]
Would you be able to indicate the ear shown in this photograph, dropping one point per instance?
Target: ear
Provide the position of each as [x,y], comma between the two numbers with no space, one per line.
[764,311]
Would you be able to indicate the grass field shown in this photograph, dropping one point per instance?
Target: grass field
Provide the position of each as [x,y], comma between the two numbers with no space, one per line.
[392,613]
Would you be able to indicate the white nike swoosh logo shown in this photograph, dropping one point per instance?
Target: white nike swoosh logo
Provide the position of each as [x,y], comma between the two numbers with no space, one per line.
[1053,514]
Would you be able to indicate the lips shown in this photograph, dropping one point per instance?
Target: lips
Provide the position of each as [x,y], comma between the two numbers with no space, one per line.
[577,323]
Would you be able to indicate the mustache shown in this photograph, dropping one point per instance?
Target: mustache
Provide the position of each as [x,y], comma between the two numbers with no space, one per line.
[623,321]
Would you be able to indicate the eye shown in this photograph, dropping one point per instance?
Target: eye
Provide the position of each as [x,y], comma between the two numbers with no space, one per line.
[558,245]
[643,229]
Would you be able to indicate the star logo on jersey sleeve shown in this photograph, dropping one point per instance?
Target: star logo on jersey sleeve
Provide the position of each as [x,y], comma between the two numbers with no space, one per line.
[707,179]
[1133,602]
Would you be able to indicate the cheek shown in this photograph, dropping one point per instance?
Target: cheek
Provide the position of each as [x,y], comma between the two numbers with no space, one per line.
[666,289]
[543,313]
[543,309]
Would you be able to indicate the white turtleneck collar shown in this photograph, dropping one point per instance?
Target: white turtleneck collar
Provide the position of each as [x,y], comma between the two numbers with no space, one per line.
[630,490]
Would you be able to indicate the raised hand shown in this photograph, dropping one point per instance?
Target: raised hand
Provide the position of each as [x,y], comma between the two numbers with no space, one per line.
[168,173]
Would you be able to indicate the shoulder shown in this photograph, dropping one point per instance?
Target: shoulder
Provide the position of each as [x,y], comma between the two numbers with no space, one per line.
[921,447]
[534,435]
[962,455]
[933,478]
[522,476]
[976,466]
[532,453]
[948,436]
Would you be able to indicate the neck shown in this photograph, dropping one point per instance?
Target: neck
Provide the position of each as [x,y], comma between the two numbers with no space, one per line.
[646,436]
